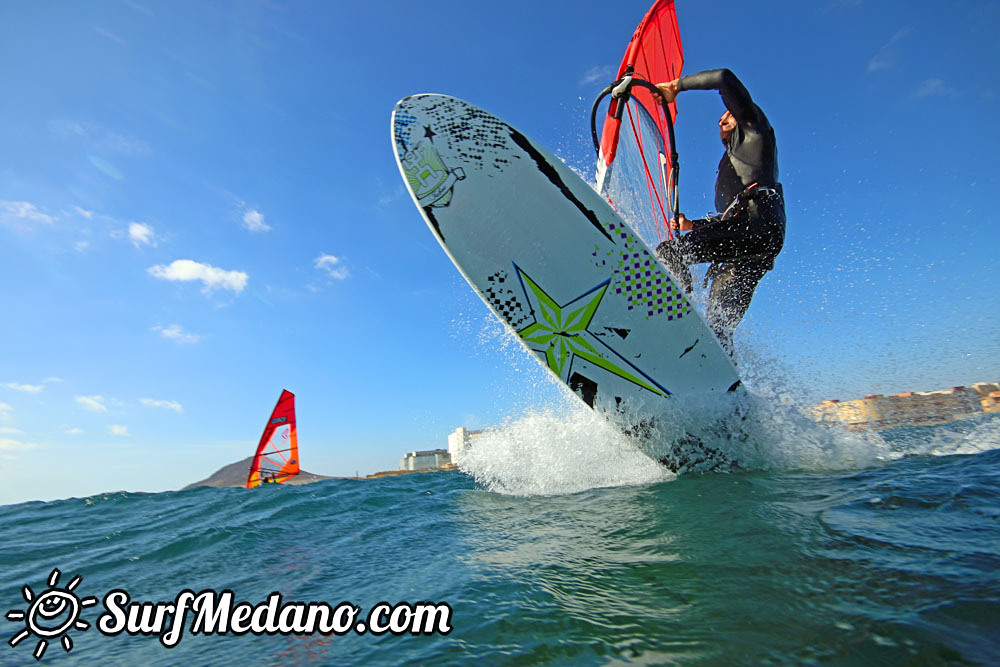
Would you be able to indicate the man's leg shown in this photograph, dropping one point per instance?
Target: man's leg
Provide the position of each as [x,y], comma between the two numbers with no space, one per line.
[670,255]
[733,285]
[710,241]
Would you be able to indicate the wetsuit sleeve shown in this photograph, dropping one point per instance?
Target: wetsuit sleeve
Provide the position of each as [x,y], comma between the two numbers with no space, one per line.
[734,93]
[704,222]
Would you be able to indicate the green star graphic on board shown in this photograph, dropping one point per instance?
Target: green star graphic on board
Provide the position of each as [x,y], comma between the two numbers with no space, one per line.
[558,332]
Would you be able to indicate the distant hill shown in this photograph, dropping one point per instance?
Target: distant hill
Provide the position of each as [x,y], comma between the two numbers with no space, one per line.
[235,474]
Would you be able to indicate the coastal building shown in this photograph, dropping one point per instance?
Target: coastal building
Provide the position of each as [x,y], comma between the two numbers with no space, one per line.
[989,396]
[925,408]
[425,460]
[991,403]
[460,440]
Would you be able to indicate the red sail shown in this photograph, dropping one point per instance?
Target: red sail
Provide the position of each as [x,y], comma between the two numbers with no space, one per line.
[655,55]
[277,457]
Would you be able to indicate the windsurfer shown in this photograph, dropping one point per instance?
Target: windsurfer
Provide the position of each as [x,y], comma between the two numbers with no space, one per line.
[742,241]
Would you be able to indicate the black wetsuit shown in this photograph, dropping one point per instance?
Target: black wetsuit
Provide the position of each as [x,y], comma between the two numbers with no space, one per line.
[744,238]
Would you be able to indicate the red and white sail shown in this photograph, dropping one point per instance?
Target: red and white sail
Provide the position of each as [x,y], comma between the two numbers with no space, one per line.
[277,457]
[636,169]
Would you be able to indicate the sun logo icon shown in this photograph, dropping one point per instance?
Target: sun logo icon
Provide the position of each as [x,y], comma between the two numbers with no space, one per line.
[53,613]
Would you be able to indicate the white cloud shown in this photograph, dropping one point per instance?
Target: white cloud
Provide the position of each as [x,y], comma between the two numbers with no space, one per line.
[604,74]
[74,431]
[84,212]
[387,198]
[169,405]
[890,52]
[933,87]
[10,430]
[141,234]
[98,137]
[175,332]
[104,32]
[331,265]
[92,403]
[105,167]
[6,409]
[80,246]
[118,429]
[13,212]
[254,221]
[10,445]
[29,388]
[211,277]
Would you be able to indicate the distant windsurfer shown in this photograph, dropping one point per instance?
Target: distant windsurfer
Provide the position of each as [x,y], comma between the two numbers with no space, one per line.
[743,239]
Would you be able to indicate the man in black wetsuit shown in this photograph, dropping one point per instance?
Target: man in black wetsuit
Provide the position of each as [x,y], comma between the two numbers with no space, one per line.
[743,239]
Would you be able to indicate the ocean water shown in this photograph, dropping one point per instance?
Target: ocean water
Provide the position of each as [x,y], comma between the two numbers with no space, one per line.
[559,544]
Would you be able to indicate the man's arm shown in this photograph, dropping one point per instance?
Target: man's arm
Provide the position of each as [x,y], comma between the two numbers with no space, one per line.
[680,223]
[734,93]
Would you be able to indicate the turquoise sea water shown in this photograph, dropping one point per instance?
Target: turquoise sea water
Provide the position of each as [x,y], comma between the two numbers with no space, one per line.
[893,562]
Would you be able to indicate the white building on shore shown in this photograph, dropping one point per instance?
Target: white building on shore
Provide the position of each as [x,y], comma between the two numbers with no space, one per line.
[425,460]
[460,440]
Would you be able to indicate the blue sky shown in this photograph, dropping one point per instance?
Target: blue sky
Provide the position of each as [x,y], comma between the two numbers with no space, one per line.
[199,207]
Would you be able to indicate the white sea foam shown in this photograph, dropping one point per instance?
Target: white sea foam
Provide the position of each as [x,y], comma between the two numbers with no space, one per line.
[545,453]
[962,437]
